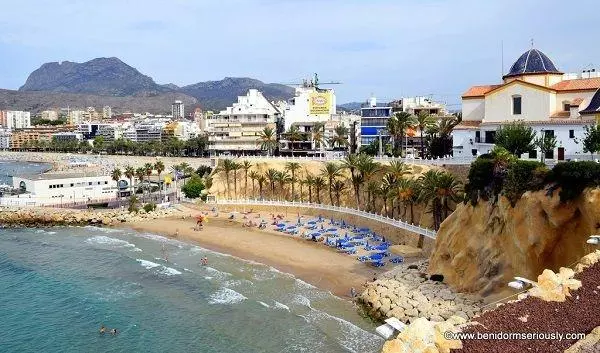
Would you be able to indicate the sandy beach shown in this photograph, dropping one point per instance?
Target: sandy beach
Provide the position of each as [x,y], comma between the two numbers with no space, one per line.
[312,262]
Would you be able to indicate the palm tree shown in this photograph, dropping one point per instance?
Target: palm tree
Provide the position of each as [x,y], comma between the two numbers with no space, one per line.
[372,193]
[399,169]
[351,163]
[338,188]
[267,140]
[438,189]
[226,167]
[261,182]
[294,135]
[387,184]
[318,134]
[309,181]
[159,166]
[140,173]
[292,167]
[116,176]
[397,126]
[331,171]
[318,183]
[423,121]
[246,165]
[254,176]
[283,178]
[407,192]
[340,138]
[367,168]
[148,167]
[272,175]
[236,166]
[130,173]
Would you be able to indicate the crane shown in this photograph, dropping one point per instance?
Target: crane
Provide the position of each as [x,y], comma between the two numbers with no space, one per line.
[311,83]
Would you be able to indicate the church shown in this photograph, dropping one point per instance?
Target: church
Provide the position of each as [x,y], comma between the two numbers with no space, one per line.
[537,93]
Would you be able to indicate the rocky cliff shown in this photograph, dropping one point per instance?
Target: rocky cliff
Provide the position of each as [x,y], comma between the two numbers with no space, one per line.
[479,249]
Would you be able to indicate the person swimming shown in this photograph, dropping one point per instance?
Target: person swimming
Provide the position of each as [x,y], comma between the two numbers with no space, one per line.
[114,331]
[102,329]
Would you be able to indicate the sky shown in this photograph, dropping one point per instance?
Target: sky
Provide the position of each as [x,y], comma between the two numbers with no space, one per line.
[385,48]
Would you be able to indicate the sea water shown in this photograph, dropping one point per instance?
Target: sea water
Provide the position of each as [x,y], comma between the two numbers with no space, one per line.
[11,168]
[59,285]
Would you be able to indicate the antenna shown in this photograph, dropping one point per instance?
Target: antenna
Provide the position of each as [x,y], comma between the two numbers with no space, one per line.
[502,55]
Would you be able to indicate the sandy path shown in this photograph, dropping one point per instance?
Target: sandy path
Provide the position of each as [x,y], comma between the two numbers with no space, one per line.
[312,262]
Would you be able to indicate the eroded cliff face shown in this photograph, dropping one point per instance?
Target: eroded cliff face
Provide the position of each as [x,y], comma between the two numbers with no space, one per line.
[480,249]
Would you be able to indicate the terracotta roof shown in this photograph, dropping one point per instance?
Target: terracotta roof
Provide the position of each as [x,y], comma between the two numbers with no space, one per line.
[578,84]
[468,124]
[576,102]
[479,91]
[560,115]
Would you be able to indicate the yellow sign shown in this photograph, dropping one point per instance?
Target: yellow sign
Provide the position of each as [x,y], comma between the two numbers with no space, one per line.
[320,103]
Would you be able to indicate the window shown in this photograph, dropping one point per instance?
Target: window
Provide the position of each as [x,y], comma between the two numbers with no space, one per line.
[490,136]
[90,183]
[566,107]
[72,184]
[571,134]
[477,136]
[516,105]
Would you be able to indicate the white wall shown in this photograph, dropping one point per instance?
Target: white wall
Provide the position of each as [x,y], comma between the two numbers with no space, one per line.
[80,191]
[536,104]
[473,109]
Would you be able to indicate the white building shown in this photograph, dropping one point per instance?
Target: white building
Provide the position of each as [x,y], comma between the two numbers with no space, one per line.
[51,115]
[237,128]
[418,104]
[15,119]
[186,130]
[178,110]
[76,117]
[536,93]
[5,136]
[106,112]
[48,189]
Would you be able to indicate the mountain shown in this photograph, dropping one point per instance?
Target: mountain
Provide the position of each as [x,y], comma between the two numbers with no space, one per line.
[350,107]
[101,76]
[218,95]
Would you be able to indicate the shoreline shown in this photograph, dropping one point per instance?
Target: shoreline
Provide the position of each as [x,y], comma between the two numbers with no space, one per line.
[310,262]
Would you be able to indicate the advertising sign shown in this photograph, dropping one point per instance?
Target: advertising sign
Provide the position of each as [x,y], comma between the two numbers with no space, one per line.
[320,103]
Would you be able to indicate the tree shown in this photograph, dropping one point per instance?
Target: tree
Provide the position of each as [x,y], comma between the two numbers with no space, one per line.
[318,183]
[407,192]
[292,167]
[294,135]
[261,182]
[159,166]
[331,171]
[367,168]
[254,176]
[116,176]
[309,181]
[193,188]
[130,173]
[98,142]
[272,175]
[338,188]
[133,204]
[351,162]
[226,166]
[283,178]
[318,134]
[545,143]
[591,141]
[515,137]
[340,137]
[423,121]
[440,139]
[437,190]
[397,126]
[236,167]
[399,169]
[385,189]
[148,167]
[140,173]
[267,140]
[246,165]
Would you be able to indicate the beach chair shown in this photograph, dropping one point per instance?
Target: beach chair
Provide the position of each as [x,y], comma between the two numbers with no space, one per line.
[351,251]
[378,263]
[363,258]
[397,260]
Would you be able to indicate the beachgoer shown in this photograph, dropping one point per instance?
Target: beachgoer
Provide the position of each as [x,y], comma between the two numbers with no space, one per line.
[176,233]
[102,329]
[353,292]
[114,331]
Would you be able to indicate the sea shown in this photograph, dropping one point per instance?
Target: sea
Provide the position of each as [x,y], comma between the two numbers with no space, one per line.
[58,286]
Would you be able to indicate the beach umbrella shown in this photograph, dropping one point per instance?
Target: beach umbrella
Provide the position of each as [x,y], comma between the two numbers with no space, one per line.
[331,229]
[316,234]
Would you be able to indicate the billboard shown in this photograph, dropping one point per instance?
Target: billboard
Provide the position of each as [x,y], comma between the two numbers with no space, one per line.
[319,103]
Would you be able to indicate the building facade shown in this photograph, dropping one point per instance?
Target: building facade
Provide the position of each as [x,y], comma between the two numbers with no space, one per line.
[51,115]
[22,138]
[373,122]
[237,129]
[5,137]
[178,110]
[75,117]
[536,93]
[15,119]
[106,112]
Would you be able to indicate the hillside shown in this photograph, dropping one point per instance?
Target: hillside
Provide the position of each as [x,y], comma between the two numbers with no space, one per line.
[101,76]
[217,95]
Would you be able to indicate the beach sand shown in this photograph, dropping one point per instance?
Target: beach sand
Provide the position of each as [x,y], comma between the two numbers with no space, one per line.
[312,262]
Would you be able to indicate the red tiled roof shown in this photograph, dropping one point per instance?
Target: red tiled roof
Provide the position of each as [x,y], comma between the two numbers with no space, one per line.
[479,91]
[576,102]
[577,84]
[560,115]
[468,124]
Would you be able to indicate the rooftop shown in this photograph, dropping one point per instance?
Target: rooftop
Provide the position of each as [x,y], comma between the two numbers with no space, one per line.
[47,176]
[532,61]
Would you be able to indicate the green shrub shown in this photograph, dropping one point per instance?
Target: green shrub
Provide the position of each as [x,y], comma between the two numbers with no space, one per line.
[149,207]
[193,187]
[574,177]
[481,175]
[523,176]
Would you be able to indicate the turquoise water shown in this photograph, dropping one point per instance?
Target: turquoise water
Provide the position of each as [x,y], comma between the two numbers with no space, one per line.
[58,285]
[10,168]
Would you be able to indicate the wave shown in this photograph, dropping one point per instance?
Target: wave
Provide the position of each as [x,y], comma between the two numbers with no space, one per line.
[214,273]
[301,300]
[264,304]
[168,271]
[226,296]
[105,240]
[278,305]
[104,229]
[303,284]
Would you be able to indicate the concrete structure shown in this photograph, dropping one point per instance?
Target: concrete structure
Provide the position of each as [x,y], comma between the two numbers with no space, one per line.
[22,137]
[67,188]
[76,117]
[67,136]
[373,122]
[51,115]
[106,112]
[237,128]
[418,104]
[5,137]
[15,119]
[91,114]
[178,110]
[536,93]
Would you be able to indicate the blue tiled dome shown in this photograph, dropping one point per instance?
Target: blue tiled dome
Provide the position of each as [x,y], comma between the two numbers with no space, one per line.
[532,61]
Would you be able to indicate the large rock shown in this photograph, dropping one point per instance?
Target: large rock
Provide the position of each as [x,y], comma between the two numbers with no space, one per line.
[481,248]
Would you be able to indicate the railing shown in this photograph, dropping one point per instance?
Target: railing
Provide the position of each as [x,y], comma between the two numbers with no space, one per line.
[439,161]
[372,216]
